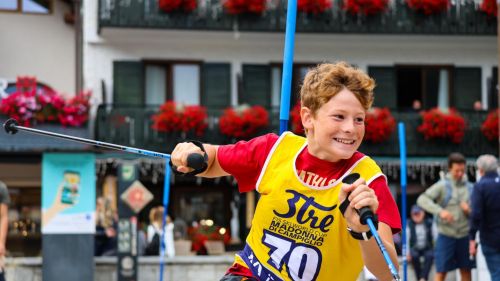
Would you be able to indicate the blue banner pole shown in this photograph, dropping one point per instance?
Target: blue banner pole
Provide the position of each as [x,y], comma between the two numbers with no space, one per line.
[166,194]
[286,81]
[403,177]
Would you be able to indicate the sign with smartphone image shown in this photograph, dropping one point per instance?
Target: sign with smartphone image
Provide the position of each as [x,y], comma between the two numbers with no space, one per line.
[68,193]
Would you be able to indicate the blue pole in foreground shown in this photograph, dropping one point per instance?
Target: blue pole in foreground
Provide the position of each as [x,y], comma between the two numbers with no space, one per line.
[286,81]
[166,194]
[402,157]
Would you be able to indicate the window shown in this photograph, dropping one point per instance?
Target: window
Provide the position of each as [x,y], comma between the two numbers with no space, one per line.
[172,81]
[433,86]
[27,6]
[428,84]
[298,75]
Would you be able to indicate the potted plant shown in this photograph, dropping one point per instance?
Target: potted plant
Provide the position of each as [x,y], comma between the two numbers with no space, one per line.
[30,105]
[428,7]
[365,7]
[437,124]
[169,6]
[490,125]
[489,7]
[237,7]
[243,122]
[174,117]
[379,125]
[313,6]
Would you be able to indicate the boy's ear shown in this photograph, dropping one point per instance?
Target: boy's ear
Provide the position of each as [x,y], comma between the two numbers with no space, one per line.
[306,117]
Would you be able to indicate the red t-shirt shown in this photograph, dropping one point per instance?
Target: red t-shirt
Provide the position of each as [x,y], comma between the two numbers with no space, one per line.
[245,159]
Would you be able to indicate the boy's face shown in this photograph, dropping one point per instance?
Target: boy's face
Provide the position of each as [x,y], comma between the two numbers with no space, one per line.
[337,130]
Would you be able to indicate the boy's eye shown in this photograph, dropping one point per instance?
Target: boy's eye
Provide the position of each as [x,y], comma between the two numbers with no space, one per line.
[338,116]
[359,120]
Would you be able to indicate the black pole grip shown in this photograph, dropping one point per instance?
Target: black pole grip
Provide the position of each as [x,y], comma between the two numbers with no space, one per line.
[196,161]
[365,212]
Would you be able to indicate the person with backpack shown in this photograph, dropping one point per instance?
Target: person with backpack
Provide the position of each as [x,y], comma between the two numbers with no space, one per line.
[155,232]
[448,200]
[421,242]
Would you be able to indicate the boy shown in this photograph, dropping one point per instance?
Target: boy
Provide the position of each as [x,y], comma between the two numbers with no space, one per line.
[298,231]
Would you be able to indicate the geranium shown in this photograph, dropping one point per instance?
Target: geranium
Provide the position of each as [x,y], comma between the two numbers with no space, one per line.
[236,7]
[243,121]
[76,111]
[490,7]
[379,125]
[438,124]
[490,125]
[174,117]
[29,104]
[313,6]
[297,127]
[365,7]
[169,6]
[429,7]
[204,231]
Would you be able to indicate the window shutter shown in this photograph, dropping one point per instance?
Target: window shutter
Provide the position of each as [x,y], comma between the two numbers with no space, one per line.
[216,81]
[385,91]
[467,87]
[128,82]
[492,89]
[256,85]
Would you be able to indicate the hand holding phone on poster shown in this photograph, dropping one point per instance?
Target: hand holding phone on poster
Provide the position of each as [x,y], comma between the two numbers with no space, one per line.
[67,196]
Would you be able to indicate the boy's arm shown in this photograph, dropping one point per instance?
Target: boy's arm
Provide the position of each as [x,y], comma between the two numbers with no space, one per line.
[183,150]
[372,256]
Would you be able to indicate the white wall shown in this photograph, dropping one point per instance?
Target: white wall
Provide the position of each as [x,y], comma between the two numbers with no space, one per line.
[39,45]
[237,48]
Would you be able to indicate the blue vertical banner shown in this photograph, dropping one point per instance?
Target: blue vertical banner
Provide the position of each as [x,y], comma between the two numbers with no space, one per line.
[68,193]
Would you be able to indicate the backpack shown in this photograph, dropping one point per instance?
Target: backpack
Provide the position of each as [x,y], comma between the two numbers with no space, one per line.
[153,247]
[448,194]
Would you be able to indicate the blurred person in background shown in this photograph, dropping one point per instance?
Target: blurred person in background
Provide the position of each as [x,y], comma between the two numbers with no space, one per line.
[420,242]
[448,201]
[4,225]
[485,204]
[105,235]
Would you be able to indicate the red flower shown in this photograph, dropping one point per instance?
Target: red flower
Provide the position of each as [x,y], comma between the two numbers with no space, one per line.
[379,125]
[313,6]
[429,7]
[490,125]
[169,6]
[236,7]
[30,104]
[173,118]
[366,7]
[489,7]
[297,127]
[244,121]
[437,124]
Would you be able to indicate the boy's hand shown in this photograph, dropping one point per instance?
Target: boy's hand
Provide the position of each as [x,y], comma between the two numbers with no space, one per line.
[361,195]
[180,154]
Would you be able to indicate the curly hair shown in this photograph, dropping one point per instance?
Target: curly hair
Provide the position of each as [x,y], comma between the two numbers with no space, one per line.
[328,79]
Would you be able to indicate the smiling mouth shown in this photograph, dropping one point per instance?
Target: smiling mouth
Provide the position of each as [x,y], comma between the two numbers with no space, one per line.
[344,141]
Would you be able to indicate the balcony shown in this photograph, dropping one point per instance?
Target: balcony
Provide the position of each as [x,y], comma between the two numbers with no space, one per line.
[131,126]
[462,18]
